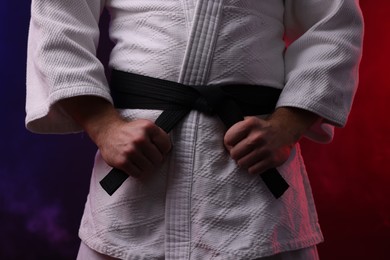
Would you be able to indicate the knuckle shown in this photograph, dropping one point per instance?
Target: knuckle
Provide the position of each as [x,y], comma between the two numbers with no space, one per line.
[259,167]
[254,169]
[251,120]
[130,152]
[148,125]
[228,145]
[234,154]
[258,138]
[242,164]
[140,139]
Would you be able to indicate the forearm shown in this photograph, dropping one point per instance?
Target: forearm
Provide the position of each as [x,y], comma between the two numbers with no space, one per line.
[92,113]
[294,121]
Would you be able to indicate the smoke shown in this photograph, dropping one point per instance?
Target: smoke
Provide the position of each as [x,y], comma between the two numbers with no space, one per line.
[39,217]
[29,216]
[46,222]
[38,214]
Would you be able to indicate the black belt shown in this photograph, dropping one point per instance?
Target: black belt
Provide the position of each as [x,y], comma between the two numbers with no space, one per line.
[229,102]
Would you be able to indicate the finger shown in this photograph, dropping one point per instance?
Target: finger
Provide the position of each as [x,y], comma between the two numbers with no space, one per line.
[143,165]
[240,150]
[161,140]
[132,170]
[235,134]
[137,158]
[253,158]
[152,153]
[260,167]
[247,145]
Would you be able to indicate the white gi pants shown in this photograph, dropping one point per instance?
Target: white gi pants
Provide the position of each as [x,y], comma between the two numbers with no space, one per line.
[309,253]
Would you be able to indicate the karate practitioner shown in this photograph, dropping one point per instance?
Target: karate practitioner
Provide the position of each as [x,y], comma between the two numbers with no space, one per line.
[197,191]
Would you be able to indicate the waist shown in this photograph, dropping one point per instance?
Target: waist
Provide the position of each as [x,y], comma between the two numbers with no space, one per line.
[231,102]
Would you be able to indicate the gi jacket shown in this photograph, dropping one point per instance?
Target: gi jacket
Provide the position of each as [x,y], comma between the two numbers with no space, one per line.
[199,205]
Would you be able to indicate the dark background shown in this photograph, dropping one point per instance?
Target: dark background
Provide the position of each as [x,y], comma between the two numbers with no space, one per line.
[44,178]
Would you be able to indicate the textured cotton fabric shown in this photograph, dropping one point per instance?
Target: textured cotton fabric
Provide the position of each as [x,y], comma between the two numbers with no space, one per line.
[199,205]
[86,253]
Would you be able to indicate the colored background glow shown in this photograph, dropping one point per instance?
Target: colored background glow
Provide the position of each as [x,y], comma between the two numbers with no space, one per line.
[44,178]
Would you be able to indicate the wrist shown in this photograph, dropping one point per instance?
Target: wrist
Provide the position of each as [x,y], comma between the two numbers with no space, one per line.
[98,125]
[294,121]
[94,114]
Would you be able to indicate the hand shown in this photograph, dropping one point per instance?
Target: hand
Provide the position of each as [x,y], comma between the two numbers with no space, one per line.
[257,144]
[137,147]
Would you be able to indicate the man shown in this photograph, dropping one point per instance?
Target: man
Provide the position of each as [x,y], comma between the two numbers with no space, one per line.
[197,192]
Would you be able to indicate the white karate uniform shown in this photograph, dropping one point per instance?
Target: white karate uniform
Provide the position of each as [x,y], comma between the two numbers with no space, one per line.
[199,205]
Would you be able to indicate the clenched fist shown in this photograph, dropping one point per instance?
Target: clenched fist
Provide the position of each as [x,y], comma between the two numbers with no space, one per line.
[260,144]
[136,147]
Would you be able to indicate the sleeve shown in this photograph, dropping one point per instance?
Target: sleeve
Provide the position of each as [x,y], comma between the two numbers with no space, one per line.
[61,61]
[324,47]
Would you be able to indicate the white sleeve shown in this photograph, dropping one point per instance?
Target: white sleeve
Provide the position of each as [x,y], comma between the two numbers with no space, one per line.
[61,61]
[322,60]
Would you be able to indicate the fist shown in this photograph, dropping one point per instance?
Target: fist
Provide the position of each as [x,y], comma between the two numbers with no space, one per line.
[257,144]
[137,147]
